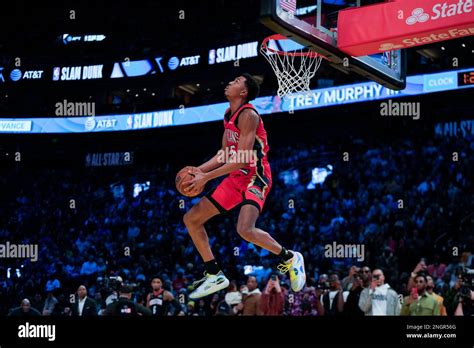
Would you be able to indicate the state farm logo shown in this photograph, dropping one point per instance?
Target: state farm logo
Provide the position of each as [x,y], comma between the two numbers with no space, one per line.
[440,10]
[417,16]
[389,46]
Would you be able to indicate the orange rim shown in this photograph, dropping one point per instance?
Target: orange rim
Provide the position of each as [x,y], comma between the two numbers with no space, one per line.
[276,37]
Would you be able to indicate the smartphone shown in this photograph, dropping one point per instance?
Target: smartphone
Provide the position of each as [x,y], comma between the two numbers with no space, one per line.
[414,293]
[274,277]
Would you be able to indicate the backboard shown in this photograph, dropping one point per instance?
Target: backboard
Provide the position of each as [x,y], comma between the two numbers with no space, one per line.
[313,24]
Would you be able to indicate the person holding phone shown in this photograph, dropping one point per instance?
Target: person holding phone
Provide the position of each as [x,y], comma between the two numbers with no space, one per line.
[420,267]
[379,298]
[273,297]
[420,302]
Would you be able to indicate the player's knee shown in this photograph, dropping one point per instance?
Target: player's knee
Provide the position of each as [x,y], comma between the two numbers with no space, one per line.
[247,233]
[190,219]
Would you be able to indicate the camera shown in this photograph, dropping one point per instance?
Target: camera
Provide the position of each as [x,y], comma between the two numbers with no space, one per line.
[322,286]
[467,285]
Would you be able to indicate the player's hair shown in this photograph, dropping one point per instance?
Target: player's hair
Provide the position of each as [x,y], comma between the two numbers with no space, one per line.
[156,277]
[252,87]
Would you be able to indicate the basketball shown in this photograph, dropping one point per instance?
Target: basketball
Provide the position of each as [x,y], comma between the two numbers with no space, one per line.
[181,177]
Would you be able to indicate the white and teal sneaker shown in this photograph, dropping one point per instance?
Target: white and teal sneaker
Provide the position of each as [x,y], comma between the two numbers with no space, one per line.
[208,285]
[296,267]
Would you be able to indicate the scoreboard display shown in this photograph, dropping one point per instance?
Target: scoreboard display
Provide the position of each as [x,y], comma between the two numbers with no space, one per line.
[466,78]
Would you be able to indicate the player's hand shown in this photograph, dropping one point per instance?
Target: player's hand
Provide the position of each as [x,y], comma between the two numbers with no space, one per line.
[197,183]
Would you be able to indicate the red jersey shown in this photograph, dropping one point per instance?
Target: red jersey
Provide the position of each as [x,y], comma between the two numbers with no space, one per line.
[258,160]
[252,183]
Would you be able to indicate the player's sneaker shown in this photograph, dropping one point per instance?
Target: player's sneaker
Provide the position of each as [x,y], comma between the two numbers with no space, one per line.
[210,284]
[296,267]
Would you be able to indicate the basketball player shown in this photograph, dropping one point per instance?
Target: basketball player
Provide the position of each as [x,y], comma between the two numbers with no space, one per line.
[246,186]
[159,300]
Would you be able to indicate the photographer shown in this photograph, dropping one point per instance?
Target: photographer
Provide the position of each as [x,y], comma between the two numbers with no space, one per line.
[124,306]
[465,296]
[273,298]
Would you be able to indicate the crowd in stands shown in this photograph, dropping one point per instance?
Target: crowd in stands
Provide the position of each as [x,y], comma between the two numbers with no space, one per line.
[408,202]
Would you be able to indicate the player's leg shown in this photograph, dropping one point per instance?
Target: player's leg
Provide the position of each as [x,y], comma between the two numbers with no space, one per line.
[222,199]
[214,280]
[194,220]
[254,199]
[248,216]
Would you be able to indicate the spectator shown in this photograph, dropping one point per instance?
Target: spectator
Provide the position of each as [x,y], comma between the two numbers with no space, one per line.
[52,284]
[419,302]
[465,306]
[365,277]
[420,267]
[89,267]
[436,269]
[251,298]
[430,290]
[49,304]
[333,300]
[25,310]
[124,307]
[273,298]
[379,298]
[307,303]
[83,306]
[347,281]
[179,282]
[351,307]
[233,297]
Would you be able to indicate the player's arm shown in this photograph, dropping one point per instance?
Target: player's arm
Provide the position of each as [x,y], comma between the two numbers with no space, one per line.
[214,162]
[248,123]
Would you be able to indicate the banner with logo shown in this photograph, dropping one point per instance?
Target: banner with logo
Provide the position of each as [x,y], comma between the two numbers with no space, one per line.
[324,97]
[456,129]
[403,24]
[109,159]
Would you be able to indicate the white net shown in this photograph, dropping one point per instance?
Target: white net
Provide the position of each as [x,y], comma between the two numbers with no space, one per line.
[294,70]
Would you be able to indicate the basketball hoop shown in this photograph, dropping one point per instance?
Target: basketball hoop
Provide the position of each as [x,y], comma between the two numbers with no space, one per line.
[294,69]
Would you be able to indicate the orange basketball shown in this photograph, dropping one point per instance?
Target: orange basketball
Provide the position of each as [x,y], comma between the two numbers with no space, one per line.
[181,177]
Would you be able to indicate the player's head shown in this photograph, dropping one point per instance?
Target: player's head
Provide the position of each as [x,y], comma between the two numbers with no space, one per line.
[244,87]
[156,283]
